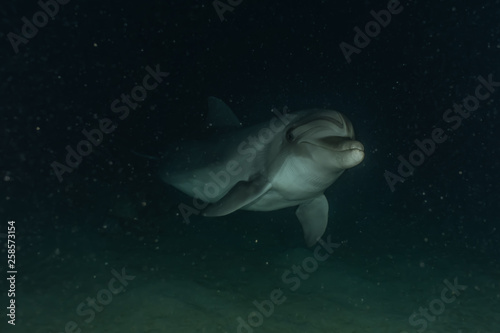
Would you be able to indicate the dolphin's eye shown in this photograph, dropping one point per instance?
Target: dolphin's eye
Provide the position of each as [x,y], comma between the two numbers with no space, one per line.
[289,136]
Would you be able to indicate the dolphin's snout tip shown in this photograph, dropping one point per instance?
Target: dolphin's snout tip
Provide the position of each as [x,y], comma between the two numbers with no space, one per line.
[356,145]
[358,155]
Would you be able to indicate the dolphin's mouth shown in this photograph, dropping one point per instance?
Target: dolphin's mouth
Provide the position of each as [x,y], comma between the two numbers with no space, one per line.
[336,143]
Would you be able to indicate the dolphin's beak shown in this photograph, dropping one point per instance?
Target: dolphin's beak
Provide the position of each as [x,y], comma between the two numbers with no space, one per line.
[336,143]
[347,152]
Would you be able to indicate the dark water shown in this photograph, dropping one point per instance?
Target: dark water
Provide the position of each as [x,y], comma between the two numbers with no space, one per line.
[102,247]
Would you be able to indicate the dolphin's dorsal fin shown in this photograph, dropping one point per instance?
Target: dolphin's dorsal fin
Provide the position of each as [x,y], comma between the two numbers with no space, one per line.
[220,115]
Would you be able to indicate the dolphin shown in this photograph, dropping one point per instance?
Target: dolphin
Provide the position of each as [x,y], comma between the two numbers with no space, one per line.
[288,161]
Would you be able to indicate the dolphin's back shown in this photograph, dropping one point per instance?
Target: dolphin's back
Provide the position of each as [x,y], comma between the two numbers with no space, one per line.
[192,165]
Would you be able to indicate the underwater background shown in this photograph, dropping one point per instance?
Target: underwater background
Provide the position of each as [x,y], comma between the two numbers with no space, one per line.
[102,246]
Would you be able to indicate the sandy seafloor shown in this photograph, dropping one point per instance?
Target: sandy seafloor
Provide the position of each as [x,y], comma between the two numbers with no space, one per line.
[202,283]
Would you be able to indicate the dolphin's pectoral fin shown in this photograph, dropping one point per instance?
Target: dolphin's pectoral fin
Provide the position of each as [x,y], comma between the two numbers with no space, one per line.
[313,216]
[243,193]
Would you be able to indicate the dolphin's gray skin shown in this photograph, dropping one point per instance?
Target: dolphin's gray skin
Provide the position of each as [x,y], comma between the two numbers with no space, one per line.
[288,161]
